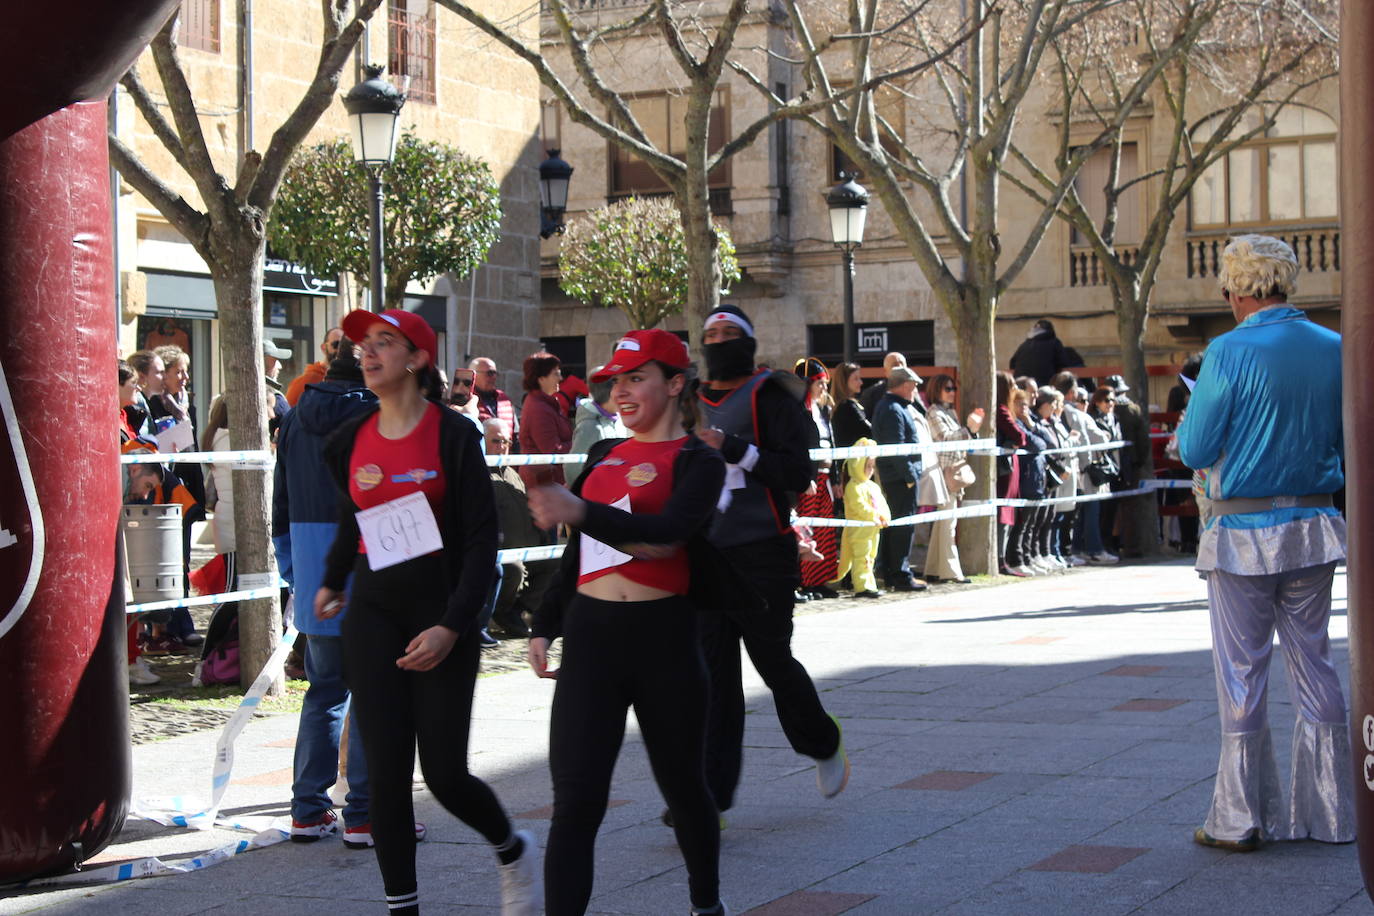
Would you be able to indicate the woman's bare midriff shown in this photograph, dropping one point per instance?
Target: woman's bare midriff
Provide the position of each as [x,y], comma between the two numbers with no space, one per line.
[615,587]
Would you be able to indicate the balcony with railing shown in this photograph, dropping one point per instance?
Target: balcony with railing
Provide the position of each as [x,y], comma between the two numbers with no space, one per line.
[1318,248]
[1085,269]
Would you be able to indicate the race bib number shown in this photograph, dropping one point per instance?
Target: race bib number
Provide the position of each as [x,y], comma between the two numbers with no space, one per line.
[399,530]
[596,556]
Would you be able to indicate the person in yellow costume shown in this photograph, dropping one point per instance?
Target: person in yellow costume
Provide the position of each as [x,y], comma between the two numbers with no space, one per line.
[863,501]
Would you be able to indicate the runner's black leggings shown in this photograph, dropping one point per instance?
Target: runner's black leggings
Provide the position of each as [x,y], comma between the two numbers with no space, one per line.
[397,708]
[618,654]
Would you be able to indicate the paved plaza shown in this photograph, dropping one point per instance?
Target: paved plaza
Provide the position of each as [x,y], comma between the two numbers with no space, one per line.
[1044,746]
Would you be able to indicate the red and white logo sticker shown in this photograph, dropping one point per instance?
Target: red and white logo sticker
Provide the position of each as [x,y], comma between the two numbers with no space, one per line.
[21,521]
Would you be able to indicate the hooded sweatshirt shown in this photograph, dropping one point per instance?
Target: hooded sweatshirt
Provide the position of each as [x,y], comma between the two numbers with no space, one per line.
[305,502]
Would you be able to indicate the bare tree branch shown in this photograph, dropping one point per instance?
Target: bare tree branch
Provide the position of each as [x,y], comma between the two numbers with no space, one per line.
[189,221]
[148,108]
[263,179]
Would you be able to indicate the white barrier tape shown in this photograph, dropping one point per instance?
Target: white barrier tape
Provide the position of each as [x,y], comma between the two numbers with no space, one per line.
[1074,449]
[247,594]
[152,866]
[518,461]
[979,446]
[972,508]
[241,459]
[529,554]
[182,812]
[921,519]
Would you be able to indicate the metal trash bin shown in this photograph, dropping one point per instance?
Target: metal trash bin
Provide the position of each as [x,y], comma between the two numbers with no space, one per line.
[152,546]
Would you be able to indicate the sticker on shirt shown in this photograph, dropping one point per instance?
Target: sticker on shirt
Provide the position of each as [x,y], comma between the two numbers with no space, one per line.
[611,462]
[399,530]
[641,475]
[416,476]
[367,476]
[596,556]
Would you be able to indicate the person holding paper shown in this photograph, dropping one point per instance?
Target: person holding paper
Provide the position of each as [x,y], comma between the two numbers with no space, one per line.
[417,528]
[626,604]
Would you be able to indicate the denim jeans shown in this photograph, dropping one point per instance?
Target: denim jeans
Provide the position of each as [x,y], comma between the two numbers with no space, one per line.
[1088,537]
[317,739]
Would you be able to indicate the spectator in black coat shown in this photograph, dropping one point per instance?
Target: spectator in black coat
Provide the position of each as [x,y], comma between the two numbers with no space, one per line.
[1040,355]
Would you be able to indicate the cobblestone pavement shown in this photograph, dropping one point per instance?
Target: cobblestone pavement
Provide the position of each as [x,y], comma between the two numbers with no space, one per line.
[150,720]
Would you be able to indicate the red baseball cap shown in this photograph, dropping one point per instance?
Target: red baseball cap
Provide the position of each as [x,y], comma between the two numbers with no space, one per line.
[415,329]
[639,347]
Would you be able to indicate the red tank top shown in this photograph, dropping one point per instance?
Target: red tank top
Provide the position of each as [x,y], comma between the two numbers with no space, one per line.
[641,472]
[383,469]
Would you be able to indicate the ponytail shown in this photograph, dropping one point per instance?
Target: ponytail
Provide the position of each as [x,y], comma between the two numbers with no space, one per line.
[688,405]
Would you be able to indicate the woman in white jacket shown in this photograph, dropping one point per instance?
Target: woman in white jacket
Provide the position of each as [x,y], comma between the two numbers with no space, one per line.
[942,557]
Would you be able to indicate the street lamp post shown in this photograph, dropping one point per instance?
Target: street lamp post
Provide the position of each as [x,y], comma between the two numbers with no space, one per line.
[848,203]
[374,106]
[554,175]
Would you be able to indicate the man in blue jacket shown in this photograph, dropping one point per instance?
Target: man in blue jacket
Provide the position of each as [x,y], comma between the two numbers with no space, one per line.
[304,517]
[1264,428]
[894,424]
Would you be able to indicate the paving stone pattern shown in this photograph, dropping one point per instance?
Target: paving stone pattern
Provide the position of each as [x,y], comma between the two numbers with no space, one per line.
[1043,747]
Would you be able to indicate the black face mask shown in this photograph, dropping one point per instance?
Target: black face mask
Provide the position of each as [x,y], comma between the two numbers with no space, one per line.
[730,359]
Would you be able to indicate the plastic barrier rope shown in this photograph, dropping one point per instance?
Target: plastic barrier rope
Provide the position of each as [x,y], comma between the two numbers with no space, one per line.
[253,458]
[247,594]
[152,866]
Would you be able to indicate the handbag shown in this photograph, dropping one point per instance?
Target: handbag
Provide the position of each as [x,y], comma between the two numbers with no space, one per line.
[960,475]
[1054,473]
[1100,473]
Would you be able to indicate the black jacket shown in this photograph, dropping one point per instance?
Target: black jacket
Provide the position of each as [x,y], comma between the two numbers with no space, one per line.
[698,475]
[1041,356]
[467,523]
[850,423]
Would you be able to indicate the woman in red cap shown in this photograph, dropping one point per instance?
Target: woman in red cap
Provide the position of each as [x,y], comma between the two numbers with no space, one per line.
[417,529]
[625,603]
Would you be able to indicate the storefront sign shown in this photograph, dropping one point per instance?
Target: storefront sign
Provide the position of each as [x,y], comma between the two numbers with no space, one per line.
[282,276]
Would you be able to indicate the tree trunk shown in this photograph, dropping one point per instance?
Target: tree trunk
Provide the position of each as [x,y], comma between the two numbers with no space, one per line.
[972,320]
[238,289]
[703,268]
[1131,315]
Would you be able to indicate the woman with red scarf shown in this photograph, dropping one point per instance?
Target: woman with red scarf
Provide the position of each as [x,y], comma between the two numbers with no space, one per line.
[819,500]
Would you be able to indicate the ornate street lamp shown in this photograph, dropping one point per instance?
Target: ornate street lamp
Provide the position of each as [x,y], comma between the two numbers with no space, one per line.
[554,175]
[374,106]
[848,203]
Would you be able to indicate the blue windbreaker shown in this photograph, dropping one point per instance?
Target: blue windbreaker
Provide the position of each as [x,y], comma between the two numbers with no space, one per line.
[305,501]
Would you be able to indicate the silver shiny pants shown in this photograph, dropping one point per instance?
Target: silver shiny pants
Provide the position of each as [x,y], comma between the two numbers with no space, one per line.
[1245,612]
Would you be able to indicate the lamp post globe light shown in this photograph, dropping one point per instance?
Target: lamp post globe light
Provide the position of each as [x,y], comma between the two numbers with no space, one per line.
[374,106]
[848,203]
[554,175]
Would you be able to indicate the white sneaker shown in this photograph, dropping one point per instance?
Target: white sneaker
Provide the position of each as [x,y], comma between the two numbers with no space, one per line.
[141,675]
[522,880]
[1040,566]
[1026,569]
[832,773]
[1103,559]
[1078,560]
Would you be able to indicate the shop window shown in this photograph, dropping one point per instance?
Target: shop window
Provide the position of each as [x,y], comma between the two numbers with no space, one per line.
[198,25]
[410,27]
[1287,175]
[662,116]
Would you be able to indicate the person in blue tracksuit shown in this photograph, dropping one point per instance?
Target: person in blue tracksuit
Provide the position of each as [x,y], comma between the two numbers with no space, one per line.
[1264,427]
[304,519]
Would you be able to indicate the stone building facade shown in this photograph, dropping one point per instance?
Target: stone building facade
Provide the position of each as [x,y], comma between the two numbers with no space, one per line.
[247,64]
[772,198]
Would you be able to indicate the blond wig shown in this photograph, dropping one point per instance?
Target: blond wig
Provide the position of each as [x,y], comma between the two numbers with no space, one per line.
[1260,266]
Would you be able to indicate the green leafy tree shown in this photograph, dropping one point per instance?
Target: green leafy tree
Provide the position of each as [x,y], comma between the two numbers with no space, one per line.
[632,255]
[442,213]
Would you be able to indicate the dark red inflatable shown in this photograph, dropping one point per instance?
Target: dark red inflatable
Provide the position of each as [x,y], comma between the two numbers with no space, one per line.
[64,773]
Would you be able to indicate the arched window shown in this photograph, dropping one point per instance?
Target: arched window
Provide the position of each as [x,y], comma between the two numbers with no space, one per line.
[1287,175]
